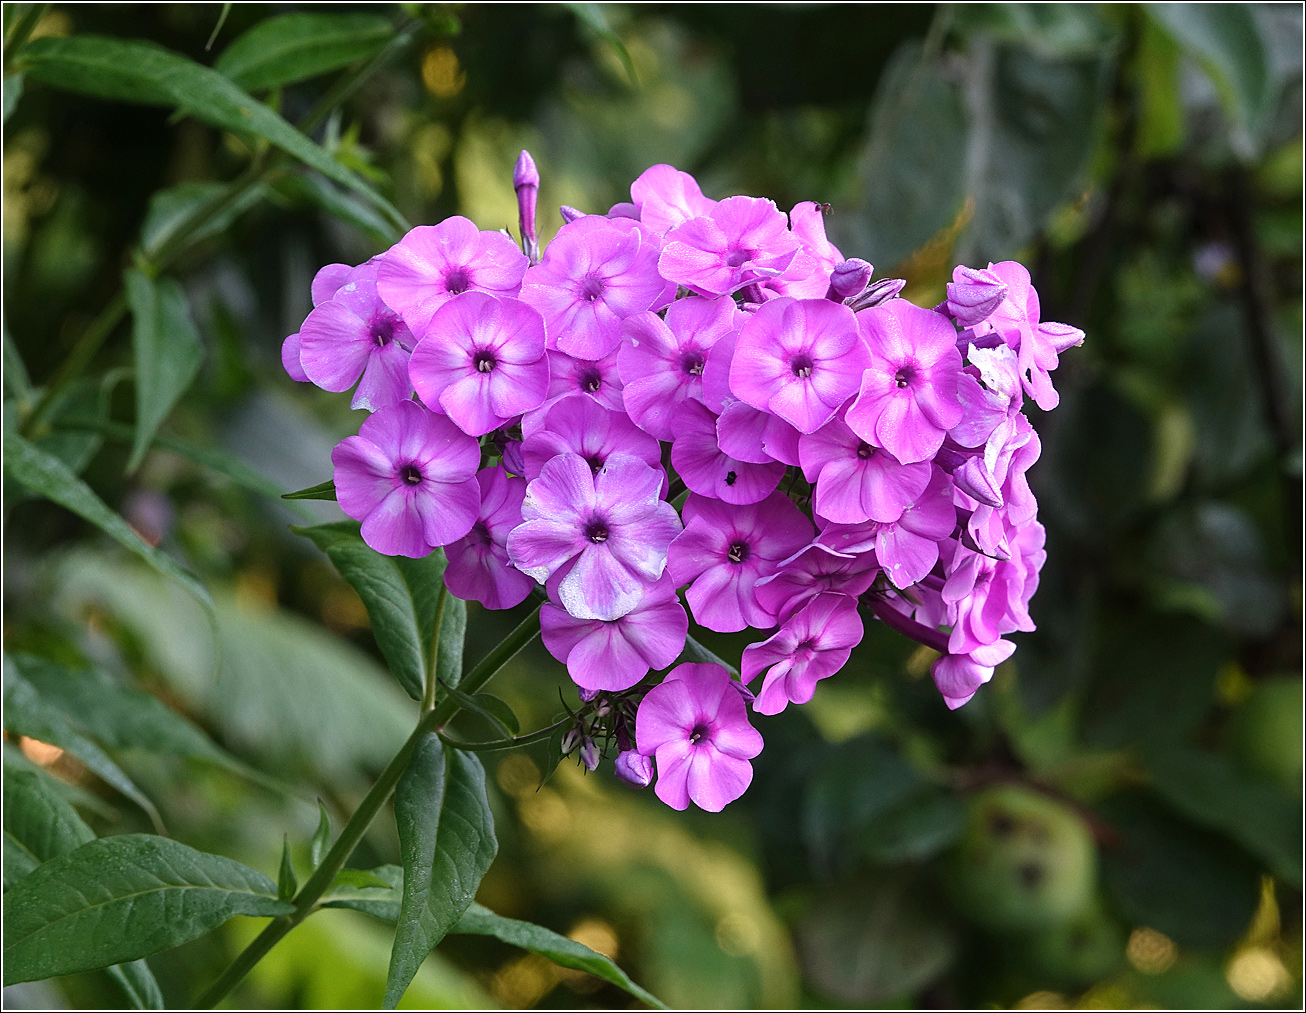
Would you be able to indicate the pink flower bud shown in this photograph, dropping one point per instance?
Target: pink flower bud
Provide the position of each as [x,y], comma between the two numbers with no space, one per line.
[849,279]
[526,181]
[974,295]
[635,769]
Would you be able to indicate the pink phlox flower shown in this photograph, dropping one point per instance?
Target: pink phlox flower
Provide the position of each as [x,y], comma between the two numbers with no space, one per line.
[799,359]
[908,548]
[662,362]
[410,477]
[708,470]
[973,295]
[725,550]
[744,432]
[741,241]
[596,379]
[613,528]
[595,273]
[579,425]
[325,284]
[695,725]
[665,197]
[908,398]
[989,393]
[434,263]
[813,644]
[810,571]
[616,654]
[352,334]
[481,361]
[856,481]
[986,599]
[634,768]
[808,275]
[479,568]
[958,676]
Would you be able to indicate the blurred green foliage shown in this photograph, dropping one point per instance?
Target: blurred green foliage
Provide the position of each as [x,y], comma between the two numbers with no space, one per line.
[1115,821]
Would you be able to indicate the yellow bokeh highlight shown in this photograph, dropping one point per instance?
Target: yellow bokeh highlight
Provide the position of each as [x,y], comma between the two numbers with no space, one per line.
[1257,974]
[441,73]
[1150,951]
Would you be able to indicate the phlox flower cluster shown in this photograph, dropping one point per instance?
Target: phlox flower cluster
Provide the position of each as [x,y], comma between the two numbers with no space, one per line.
[690,407]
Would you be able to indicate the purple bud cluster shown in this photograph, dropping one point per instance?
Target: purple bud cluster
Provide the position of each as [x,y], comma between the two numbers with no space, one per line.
[697,396]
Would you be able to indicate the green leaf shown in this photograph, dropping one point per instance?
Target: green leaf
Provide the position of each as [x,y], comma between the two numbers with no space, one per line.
[133,71]
[321,836]
[27,712]
[121,898]
[917,829]
[378,892]
[16,379]
[170,209]
[1208,790]
[323,490]
[222,20]
[167,351]
[446,838]
[295,47]
[453,634]
[38,825]
[287,882]
[399,595]
[14,759]
[310,188]
[13,91]
[592,16]
[491,708]
[138,984]
[481,921]
[49,477]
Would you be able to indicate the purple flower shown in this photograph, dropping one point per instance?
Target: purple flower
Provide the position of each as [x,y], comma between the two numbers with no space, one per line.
[986,600]
[855,481]
[595,273]
[482,361]
[708,470]
[974,295]
[597,379]
[479,569]
[725,550]
[848,279]
[808,274]
[744,432]
[812,571]
[526,182]
[908,398]
[665,197]
[580,425]
[812,645]
[634,768]
[909,547]
[800,360]
[695,724]
[326,283]
[958,676]
[741,241]
[662,362]
[352,333]
[410,477]
[434,263]
[613,528]
[614,655]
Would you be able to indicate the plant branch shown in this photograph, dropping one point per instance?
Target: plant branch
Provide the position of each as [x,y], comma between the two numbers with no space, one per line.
[22,32]
[512,742]
[432,676]
[353,831]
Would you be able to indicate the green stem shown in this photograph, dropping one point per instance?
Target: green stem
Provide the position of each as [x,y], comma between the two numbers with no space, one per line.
[22,32]
[311,892]
[509,743]
[347,85]
[432,676]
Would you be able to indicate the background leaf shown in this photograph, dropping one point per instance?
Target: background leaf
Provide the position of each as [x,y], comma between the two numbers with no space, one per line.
[38,825]
[293,47]
[138,984]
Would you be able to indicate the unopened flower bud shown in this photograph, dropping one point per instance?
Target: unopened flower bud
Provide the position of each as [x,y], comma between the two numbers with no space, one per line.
[589,754]
[635,769]
[571,740]
[973,295]
[743,691]
[879,292]
[849,279]
[602,708]
[526,181]
[586,695]
[569,214]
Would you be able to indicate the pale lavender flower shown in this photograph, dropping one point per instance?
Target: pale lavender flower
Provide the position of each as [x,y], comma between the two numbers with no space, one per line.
[856,481]
[741,241]
[708,470]
[580,425]
[634,768]
[974,295]
[479,568]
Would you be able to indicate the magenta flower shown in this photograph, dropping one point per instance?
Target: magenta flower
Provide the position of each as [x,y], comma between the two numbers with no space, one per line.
[741,241]
[908,398]
[354,334]
[479,568]
[909,547]
[580,425]
[326,283]
[808,274]
[482,361]
[812,645]
[598,379]
[662,362]
[614,655]
[634,768]
[800,360]
[725,550]
[855,481]
[595,273]
[974,295]
[410,477]
[695,725]
[812,571]
[958,676]
[665,197]
[613,528]
[707,470]
[986,599]
[434,263]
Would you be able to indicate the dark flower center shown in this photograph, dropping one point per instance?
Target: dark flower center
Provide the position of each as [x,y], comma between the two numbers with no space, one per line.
[865,451]
[382,331]
[597,532]
[411,474]
[700,731]
[801,366]
[456,281]
[591,287]
[731,478]
[738,552]
[692,363]
[904,376]
[737,257]
[596,463]
[481,534]
[591,380]
[484,362]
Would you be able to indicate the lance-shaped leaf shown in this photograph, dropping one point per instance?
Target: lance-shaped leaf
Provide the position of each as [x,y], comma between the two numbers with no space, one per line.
[295,47]
[446,839]
[400,596]
[48,476]
[138,983]
[38,825]
[27,712]
[132,71]
[121,898]
[172,208]
[167,351]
